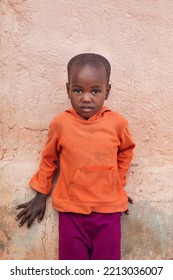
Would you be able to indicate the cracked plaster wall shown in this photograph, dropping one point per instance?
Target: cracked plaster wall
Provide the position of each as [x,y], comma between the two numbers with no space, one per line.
[37,40]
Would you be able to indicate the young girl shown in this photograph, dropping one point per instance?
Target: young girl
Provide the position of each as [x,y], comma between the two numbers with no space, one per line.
[95,150]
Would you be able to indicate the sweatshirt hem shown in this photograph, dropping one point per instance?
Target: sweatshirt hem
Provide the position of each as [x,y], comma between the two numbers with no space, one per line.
[87,209]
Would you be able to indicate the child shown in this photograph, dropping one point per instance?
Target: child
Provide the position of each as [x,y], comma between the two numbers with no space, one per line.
[95,150]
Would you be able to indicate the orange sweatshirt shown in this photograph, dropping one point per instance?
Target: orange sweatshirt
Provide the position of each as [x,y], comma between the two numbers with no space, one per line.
[95,155]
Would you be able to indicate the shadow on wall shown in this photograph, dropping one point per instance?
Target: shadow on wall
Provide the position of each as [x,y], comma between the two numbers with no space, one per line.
[146,233]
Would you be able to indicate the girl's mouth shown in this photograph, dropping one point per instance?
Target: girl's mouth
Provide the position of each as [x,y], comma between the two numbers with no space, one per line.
[87,108]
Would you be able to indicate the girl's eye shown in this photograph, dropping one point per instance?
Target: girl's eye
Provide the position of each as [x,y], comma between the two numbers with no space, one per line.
[78,91]
[95,91]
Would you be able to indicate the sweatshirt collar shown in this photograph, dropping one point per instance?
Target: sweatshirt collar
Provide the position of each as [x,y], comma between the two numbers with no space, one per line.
[93,118]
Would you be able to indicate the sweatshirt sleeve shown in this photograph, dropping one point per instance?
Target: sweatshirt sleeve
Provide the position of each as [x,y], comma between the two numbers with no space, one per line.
[125,154]
[42,179]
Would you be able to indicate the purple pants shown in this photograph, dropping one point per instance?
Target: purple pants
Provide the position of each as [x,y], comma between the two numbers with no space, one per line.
[95,236]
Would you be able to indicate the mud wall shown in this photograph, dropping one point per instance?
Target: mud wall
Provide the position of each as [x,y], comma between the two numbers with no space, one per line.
[37,40]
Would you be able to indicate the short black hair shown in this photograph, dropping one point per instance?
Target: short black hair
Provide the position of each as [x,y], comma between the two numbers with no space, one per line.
[92,59]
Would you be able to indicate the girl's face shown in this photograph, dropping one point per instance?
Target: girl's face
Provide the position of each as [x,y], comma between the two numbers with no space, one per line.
[87,89]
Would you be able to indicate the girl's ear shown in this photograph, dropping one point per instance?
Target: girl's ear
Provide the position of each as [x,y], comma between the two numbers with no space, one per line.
[108,88]
[68,89]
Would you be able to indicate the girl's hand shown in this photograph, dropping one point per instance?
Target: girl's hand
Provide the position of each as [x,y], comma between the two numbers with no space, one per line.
[130,200]
[32,209]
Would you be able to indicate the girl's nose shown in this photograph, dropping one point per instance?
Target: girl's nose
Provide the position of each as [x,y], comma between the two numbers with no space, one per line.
[86,97]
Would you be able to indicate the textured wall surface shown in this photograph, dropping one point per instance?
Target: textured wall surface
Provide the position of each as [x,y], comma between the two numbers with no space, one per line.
[37,40]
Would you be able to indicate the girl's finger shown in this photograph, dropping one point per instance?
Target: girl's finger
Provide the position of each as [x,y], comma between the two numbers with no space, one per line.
[22,205]
[23,212]
[24,219]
